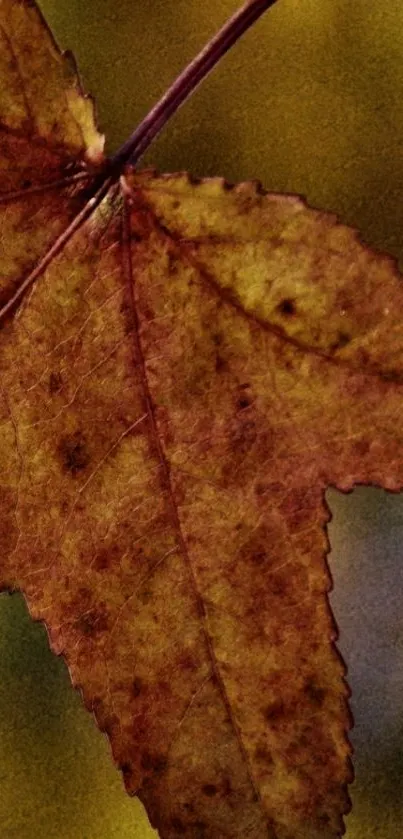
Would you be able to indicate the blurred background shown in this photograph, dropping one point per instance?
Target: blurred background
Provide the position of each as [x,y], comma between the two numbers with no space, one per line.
[310,101]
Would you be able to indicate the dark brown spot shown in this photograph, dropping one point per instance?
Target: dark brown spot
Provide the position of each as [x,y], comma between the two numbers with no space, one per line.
[94,622]
[172,263]
[137,687]
[111,724]
[74,453]
[126,770]
[209,789]
[263,755]
[324,819]
[101,561]
[178,825]
[278,586]
[287,307]
[258,557]
[147,313]
[55,383]
[220,363]
[153,762]
[315,693]
[244,399]
[226,786]
[343,338]
[392,376]
[145,595]
[271,828]
[362,357]
[187,661]
[274,712]
[341,341]
[256,549]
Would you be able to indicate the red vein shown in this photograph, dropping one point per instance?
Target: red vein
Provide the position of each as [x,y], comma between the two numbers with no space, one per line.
[57,246]
[17,194]
[186,250]
[166,481]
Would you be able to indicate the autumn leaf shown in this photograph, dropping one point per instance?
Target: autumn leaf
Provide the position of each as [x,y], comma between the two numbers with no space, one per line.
[185,368]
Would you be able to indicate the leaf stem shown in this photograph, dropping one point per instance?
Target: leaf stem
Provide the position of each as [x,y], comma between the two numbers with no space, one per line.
[186,82]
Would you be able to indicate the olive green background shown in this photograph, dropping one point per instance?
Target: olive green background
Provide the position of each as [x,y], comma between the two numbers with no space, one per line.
[311,102]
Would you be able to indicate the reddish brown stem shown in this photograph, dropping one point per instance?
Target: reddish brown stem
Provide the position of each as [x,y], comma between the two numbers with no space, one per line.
[187,81]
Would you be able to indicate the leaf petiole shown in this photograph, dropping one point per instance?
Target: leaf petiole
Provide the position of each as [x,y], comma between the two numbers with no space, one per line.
[151,125]
[186,82]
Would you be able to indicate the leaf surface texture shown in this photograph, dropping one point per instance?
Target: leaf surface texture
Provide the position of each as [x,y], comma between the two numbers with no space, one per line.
[182,376]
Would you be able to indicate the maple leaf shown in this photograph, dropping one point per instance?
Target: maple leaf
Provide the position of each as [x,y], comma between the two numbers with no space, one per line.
[185,368]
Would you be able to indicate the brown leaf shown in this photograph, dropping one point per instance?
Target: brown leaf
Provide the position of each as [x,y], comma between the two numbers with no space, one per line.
[182,377]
